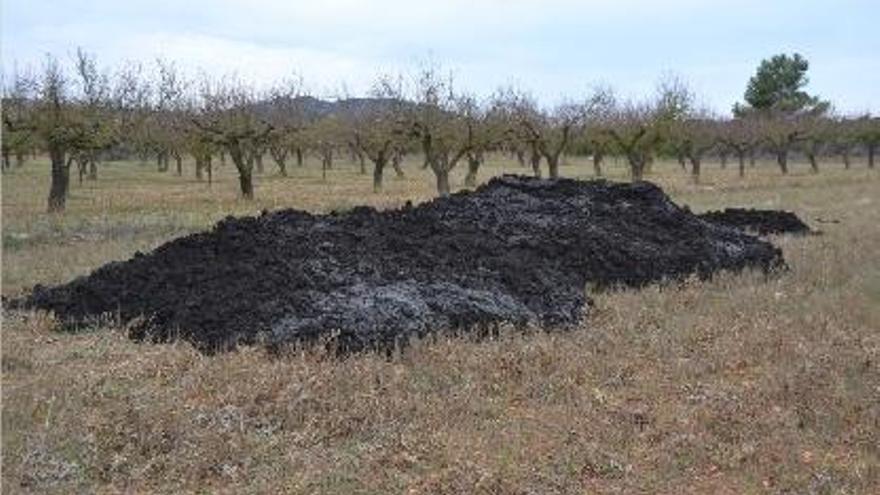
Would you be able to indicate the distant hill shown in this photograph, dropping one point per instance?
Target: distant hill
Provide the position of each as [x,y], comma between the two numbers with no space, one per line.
[315,108]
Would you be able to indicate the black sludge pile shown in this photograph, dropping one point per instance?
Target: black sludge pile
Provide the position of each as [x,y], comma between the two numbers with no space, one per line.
[762,222]
[517,250]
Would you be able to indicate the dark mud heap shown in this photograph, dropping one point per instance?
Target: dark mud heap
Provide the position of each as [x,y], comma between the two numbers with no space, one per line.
[516,250]
[763,222]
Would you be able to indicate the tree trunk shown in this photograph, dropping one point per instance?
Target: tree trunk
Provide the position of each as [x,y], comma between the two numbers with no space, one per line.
[81,169]
[162,160]
[299,157]
[846,162]
[814,164]
[210,167]
[395,163]
[442,181]
[362,163]
[470,180]
[245,166]
[597,164]
[6,157]
[782,160]
[682,162]
[521,157]
[378,168]
[200,164]
[93,168]
[179,162]
[724,159]
[280,159]
[535,160]
[553,166]
[872,149]
[636,167]
[695,169]
[245,180]
[60,180]
[19,159]
[741,158]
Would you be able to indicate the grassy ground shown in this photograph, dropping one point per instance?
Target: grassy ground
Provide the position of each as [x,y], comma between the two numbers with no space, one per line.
[737,385]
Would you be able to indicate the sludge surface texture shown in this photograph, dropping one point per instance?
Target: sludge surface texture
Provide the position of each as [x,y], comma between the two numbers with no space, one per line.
[762,222]
[517,249]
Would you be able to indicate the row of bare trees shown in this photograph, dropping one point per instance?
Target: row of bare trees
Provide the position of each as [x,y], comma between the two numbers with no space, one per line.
[83,114]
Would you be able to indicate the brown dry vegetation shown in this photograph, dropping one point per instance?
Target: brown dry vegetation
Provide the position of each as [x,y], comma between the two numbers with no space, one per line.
[738,385]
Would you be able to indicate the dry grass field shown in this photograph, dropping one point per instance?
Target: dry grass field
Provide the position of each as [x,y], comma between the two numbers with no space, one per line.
[743,384]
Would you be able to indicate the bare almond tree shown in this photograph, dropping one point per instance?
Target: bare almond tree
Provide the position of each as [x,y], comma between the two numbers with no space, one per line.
[694,137]
[485,127]
[816,133]
[95,112]
[130,102]
[510,107]
[378,126]
[227,117]
[17,103]
[326,137]
[598,110]
[58,125]
[741,135]
[636,133]
[283,109]
[439,128]
[551,132]
[64,120]
[844,139]
[780,134]
[868,134]
[168,119]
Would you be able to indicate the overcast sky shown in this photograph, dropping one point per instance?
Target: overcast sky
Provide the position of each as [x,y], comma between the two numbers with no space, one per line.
[553,48]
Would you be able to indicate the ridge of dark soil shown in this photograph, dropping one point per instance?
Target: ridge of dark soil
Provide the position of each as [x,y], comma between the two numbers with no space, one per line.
[517,249]
[763,222]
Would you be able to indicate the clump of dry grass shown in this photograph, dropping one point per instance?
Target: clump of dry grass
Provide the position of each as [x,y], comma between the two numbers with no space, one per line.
[741,384]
